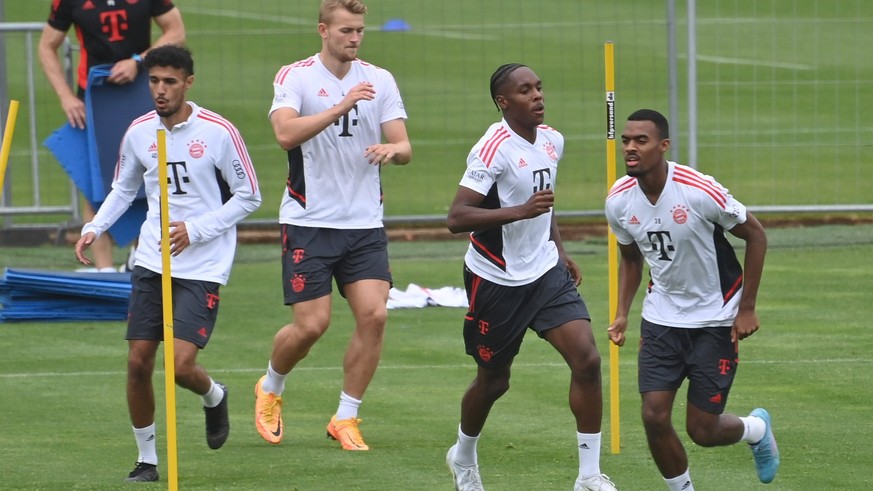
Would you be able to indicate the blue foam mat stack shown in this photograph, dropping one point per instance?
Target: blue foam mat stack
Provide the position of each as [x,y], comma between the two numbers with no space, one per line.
[39,295]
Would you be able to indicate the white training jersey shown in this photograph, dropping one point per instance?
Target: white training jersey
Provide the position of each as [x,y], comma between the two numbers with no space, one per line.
[507,170]
[330,182]
[212,186]
[696,279]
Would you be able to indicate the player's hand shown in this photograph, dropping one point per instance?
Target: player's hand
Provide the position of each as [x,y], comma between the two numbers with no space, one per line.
[540,202]
[745,324]
[179,240]
[74,108]
[123,72]
[616,331]
[82,244]
[379,154]
[575,272]
[362,92]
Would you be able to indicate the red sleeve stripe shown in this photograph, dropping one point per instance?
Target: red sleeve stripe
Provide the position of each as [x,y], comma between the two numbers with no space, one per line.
[622,187]
[285,70]
[697,176]
[696,180]
[490,148]
[142,119]
[237,143]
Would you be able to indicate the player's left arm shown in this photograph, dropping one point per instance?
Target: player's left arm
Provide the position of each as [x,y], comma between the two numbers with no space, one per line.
[752,232]
[396,149]
[235,167]
[555,236]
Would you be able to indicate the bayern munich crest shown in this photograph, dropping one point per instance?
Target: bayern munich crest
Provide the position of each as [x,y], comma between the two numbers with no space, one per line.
[196,149]
[550,149]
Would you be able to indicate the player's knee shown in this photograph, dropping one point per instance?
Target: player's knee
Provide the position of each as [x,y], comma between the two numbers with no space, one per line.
[655,420]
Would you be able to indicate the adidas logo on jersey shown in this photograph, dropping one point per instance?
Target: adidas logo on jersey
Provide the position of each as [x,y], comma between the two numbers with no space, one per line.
[153,148]
[521,163]
[322,93]
[633,220]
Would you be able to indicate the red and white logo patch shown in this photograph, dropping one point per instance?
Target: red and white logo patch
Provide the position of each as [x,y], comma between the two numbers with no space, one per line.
[633,220]
[521,163]
[322,93]
[550,149]
[680,214]
[196,149]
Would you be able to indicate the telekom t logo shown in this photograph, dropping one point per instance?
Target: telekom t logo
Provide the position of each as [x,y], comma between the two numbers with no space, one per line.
[661,243]
[297,255]
[483,327]
[211,300]
[724,366]
[114,22]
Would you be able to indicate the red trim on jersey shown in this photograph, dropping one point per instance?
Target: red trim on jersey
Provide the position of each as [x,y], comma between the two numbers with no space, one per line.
[733,290]
[83,59]
[474,289]
[489,149]
[285,70]
[490,254]
[622,187]
[142,119]
[237,142]
[694,179]
[546,127]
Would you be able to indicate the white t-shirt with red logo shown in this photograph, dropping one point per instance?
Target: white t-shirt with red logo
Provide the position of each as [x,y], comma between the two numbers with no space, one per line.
[330,182]
[507,169]
[212,186]
[696,279]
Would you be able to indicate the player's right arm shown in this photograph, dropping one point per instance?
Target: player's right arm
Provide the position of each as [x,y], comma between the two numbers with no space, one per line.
[630,274]
[465,214]
[49,42]
[291,129]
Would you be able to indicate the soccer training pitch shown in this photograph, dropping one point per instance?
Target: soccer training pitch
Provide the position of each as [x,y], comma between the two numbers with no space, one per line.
[64,424]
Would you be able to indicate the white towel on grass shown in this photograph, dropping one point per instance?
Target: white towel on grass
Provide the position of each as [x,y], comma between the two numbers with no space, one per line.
[417,297]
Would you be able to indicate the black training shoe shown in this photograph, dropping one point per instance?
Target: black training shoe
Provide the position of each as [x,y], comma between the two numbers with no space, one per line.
[143,473]
[217,422]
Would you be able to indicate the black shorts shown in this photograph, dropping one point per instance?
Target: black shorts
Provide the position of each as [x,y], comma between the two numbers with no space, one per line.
[195,308]
[312,257]
[705,356]
[499,316]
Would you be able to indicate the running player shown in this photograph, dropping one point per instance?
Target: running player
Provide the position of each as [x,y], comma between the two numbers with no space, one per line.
[212,186]
[699,302]
[330,113]
[517,275]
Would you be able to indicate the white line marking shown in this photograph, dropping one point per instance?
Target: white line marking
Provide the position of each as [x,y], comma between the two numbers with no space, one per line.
[745,61]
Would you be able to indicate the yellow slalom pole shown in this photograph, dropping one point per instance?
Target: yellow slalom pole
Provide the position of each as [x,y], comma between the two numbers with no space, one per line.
[5,147]
[167,301]
[612,246]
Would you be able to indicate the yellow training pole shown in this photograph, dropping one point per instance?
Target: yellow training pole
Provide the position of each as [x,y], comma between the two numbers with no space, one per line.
[612,246]
[167,301]
[7,140]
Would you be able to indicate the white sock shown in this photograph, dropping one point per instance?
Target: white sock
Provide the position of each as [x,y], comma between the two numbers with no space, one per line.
[348,407]
[465,452]
[214,396]
[145,443]
[275,381]
[680,483]
[754,429]
[589,454]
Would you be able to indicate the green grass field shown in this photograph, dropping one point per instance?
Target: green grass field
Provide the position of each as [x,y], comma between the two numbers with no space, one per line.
[781,90]
[64,425]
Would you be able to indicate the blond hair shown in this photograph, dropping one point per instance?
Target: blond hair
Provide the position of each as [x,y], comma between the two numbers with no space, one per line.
[328,6]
